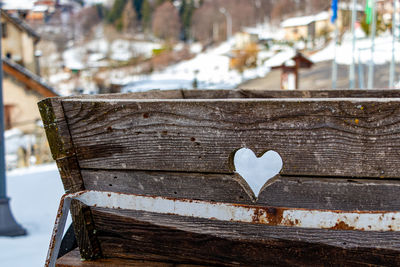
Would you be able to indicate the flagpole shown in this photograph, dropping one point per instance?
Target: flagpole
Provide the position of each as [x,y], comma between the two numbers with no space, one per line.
[334,64]
[371,62]
[353,22]
[392,63]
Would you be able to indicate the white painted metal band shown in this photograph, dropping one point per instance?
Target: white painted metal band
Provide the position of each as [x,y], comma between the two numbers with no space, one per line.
[306,218]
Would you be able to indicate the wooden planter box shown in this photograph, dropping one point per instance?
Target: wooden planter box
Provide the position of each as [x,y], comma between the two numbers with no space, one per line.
[340,151]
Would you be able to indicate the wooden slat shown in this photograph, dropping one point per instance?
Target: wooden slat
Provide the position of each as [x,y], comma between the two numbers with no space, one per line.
[316,137]
[267,94]
[63,151]
[173,238]
[329,93]
[73,259]
[212,187]
[294,192]
[231,94]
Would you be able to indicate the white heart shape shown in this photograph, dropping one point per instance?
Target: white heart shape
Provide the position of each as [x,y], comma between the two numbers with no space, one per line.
[257,171]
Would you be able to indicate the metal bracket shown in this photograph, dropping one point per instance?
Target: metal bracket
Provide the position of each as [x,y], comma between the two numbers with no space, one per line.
[270,216]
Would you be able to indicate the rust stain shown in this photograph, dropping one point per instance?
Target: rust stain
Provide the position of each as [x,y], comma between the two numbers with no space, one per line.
[342,226]
[274,216]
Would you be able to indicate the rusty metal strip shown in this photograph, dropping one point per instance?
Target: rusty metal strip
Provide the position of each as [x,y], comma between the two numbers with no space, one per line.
[58,230]
[271,216]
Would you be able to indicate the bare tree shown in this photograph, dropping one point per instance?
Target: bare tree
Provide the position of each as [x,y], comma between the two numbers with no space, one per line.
[87,18]
[318,5]
[166,23]
[207,21]
[282,9]
[129,18]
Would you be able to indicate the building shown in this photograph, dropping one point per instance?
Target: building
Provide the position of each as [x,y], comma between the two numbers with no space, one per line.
[307,27]
[345,13]
[19,42]
[22,89]
[22,86]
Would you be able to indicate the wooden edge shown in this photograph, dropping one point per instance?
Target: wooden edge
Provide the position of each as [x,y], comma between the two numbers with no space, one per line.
[243,93]
[63,152]
[56,128]
[73,259]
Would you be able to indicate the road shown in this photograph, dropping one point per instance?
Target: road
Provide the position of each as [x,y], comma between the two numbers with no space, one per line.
[319,77]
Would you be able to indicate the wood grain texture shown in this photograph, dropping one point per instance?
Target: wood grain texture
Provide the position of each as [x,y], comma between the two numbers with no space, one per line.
[293,192]
[329,93]
[267,94]
[335,154]
[231,94]
[212,187]
[315,137]
[174,238]
[56,128]
[73,259]
[63,152]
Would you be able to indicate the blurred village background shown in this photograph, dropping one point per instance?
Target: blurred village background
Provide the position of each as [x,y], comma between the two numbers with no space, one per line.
[71,47]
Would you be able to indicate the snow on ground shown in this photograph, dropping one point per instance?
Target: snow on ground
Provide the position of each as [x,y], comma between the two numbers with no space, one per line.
[18,4]
[15,140]
[35,193]
[74,58]
[124,50]
[210,69]
[382,54]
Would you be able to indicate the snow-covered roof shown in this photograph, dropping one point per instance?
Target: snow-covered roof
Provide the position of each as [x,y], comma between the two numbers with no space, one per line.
[287,58]
[36,82]
[324,15]
[305,20]
[280,58]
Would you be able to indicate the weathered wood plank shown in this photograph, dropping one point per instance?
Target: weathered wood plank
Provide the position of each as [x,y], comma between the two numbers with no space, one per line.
[329,93]
[231,94]
[212,187]
[73,259]
[56,128]
[266,94]
[318,137]
[173,238]
[63,151]
[294,192]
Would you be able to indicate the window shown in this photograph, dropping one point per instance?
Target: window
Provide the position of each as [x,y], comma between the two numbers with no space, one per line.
[3,30]
[7,116]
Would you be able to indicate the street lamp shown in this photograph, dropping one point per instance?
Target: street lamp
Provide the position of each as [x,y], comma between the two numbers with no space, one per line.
[228,22]
[8,225]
